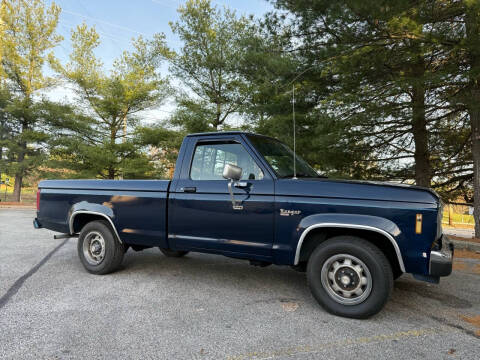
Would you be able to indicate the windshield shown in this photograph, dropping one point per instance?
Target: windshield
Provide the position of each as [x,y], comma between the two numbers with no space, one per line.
[280,158]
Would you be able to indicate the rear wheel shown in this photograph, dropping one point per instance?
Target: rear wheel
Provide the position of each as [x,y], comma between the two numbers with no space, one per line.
[350,277]
[173,253]
[99,251]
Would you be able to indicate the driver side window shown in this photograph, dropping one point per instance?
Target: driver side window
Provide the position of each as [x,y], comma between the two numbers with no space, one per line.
[209,160]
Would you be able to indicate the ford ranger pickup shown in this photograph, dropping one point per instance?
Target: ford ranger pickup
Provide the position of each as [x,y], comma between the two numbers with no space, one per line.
[250,197]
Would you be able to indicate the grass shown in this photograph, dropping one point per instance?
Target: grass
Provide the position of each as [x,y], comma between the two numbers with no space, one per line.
[29,195]
[458,218]
[26,198]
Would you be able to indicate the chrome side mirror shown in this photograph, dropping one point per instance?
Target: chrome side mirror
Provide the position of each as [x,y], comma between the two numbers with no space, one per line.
[232,172]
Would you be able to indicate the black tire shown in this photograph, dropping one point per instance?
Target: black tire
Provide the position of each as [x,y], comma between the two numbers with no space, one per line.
[377,265]
[173,253]
[113,249]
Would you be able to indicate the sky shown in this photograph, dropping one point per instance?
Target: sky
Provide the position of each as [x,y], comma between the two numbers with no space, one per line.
[118,21]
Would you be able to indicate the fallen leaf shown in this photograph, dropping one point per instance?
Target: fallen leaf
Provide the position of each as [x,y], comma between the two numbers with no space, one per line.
[459,265]
[467,254]
[290,306]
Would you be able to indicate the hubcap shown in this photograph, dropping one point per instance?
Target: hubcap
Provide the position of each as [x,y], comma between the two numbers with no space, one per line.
[94,248]
[346,279]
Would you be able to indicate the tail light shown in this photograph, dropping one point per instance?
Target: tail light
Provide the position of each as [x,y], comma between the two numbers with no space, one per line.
[38,199]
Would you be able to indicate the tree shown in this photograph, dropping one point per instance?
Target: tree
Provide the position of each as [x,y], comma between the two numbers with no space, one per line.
[164,145]
[3,7]
[207,63]
[407,78]
[29,35]
[387,76]
[464,42]
[274,68]
[98,142]
[472,25]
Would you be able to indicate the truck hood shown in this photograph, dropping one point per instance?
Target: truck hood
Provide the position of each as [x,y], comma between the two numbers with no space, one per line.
[359,190]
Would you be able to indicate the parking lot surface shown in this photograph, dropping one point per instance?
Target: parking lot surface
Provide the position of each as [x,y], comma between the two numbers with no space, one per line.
[210,307]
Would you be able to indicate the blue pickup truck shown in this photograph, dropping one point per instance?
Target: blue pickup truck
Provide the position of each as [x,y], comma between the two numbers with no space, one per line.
[250,197]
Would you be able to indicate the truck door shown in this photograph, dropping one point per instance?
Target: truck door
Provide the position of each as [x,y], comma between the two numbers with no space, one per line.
[201,213]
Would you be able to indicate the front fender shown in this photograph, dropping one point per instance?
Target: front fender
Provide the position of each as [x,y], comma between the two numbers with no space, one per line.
[351,221]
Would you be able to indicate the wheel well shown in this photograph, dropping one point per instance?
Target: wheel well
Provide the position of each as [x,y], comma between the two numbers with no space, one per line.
[316,236]
[82,219]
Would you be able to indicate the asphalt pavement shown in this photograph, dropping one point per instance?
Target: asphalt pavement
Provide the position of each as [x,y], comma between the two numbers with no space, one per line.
[210,307]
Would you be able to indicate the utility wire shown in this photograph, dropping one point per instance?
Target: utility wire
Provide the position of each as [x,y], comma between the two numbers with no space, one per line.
[104,22]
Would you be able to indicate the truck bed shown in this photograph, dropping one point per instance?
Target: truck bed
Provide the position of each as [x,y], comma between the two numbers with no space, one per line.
[137,207]
[125,185]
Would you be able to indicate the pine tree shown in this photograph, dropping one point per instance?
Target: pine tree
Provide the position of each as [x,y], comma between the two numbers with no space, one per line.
[99,141]
[207,65]
[29,35]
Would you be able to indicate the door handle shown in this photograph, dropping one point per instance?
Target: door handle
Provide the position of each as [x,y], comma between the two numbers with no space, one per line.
[189,189]
[240,184]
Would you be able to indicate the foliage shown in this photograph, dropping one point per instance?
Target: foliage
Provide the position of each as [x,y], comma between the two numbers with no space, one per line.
[93,144]
[207,64]
[29,35]
[163,146]
[405,78]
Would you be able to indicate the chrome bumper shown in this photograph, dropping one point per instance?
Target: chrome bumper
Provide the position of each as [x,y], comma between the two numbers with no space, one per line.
[441,260]
[36,224]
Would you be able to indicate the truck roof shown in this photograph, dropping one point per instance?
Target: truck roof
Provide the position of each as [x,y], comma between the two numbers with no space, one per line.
[223,133]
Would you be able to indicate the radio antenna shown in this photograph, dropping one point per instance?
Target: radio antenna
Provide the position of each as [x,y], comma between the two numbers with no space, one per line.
[294,135]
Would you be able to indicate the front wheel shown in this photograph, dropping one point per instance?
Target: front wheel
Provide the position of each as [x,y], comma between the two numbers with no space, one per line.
[350,277]
[99,251]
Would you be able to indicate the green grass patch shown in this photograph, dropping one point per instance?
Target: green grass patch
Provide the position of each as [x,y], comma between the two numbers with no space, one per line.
[458,218]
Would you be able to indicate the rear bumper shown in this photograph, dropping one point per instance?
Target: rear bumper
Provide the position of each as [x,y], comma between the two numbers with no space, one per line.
[441,259]
[36,224]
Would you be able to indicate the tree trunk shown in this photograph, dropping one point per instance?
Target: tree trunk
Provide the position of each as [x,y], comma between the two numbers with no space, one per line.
[111,173]
[113,138]
[474,112]
[217,117]
[423,171]
[472,25]
[17,189]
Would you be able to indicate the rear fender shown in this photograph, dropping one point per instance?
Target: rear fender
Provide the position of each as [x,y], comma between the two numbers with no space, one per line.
[99,210]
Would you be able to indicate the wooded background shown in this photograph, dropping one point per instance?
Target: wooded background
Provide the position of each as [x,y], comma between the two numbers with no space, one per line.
[385,90]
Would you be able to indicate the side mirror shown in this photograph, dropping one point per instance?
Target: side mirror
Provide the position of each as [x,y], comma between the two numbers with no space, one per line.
[232,172]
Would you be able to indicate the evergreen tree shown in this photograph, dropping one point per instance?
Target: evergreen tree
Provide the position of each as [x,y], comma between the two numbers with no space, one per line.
[384,80]
[406,78]
[462,39]
[100,142]
[207,65]
[472,26]
[28,36]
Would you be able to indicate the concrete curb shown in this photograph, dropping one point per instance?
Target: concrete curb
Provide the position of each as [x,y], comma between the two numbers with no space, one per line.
[466,245]
[25,207]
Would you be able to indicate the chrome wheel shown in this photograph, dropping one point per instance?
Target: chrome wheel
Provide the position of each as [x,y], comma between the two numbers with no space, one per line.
[94,248]
[346,279]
